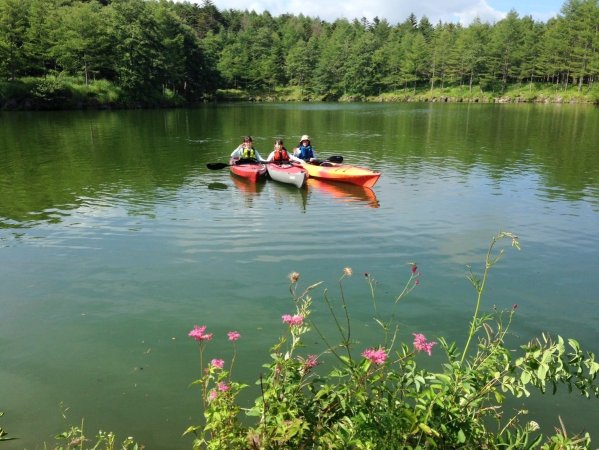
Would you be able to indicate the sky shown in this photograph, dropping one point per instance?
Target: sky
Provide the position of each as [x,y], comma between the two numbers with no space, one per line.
[396,11]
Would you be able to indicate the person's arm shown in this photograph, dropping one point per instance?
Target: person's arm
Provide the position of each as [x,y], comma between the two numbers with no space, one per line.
[237,152]
[296,159]
[258,157]
[271,156]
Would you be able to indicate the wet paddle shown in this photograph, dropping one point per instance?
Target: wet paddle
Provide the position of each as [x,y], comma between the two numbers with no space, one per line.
[335,159]
[218,166]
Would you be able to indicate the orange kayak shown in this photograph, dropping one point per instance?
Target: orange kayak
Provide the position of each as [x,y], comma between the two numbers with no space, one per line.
[345,173]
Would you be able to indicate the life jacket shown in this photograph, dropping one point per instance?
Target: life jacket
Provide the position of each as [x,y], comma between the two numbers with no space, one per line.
[281,155]
[305,153]
[248,153]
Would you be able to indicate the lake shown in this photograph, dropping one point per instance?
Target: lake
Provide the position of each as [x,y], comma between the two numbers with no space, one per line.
[115,240]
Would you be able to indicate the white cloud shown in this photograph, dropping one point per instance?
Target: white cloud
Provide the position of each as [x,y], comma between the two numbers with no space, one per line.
[463,11]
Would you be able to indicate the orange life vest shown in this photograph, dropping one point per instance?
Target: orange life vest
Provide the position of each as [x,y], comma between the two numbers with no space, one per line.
[281,155]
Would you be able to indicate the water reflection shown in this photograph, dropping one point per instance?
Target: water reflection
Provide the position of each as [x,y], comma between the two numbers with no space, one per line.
[345,192]
[246,186]
[216,186]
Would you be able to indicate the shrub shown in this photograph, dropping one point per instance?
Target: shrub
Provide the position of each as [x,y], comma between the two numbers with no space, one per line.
[378,397]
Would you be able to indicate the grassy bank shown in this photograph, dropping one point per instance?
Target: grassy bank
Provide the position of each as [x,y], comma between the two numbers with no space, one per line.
[528,93]
[67,93]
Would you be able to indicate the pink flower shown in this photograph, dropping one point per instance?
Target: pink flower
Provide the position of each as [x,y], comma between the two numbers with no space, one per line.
[295,320]
[218,363]
[212,395]
[233,335]
[421,344]
[375,356]
[223,387]
[198,334]
[414,269]
[311,361]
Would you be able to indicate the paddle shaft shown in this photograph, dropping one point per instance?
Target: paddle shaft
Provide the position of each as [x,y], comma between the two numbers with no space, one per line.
[218,166]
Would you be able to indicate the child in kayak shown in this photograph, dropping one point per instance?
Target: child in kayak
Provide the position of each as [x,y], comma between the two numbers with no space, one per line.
[279,155]
[246,153]
[304,150]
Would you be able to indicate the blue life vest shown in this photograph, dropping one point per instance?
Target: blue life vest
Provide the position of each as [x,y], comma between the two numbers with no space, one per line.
[305,153]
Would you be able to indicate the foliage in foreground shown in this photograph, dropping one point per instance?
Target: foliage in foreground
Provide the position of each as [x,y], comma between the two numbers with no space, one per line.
[379,398]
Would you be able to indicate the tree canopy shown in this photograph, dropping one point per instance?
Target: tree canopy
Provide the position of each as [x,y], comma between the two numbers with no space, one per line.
[148,46]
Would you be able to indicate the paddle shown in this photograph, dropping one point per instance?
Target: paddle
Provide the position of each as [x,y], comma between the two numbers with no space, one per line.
[217,166]
[335,159]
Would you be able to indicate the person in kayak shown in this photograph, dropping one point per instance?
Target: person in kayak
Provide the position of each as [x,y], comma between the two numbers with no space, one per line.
[279,155]
[246,153]
[304,150]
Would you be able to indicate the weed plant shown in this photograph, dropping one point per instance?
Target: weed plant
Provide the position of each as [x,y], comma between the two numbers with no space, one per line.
[378,397]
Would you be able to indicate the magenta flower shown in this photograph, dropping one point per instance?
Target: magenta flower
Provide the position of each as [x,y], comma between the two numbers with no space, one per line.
[375,356]
[218,363]
[422,345]
[311,361]
[233,335]
[198,334]
[223,387]
[212,395]
[414,269]
[295,320]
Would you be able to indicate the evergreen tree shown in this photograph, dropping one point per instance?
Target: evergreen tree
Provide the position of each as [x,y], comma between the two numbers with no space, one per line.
[14,24]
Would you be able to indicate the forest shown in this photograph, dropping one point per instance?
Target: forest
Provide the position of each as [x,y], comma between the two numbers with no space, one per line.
[153,51]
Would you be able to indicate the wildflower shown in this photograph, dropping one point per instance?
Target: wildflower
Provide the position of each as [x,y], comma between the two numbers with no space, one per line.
[515,306]
[294,277]
[416,282]
[311,361]
[532,426]
[198,334]
[212,395]
[375,356]
[218,363]
[414,269]
[347,272]
[233,335]
[295,320]
[223,387]
[422,345]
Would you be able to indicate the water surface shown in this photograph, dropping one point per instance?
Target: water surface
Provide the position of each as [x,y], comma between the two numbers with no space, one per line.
[115,239]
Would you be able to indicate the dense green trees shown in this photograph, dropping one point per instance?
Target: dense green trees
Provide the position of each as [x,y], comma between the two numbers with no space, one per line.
[149,47]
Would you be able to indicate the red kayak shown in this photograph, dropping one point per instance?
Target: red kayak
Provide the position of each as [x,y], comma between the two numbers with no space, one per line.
[250,171]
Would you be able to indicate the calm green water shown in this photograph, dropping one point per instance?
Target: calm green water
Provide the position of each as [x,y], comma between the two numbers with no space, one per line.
[115,240]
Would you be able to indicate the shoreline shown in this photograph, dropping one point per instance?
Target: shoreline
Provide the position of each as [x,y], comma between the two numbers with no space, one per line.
[67,96]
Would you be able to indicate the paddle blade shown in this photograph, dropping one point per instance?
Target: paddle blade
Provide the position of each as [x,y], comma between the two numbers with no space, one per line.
[335,159]
[216,166]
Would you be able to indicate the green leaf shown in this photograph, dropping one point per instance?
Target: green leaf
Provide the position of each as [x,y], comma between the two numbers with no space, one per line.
[428,430]
[542,371]
[461,436]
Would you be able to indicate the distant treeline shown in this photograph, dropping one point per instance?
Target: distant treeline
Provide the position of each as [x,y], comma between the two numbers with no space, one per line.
[149,49]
